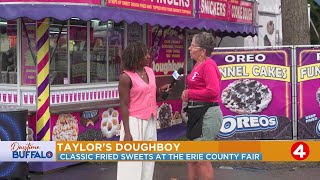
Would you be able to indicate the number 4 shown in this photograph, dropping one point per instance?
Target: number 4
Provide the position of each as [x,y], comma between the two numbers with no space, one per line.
[299,151]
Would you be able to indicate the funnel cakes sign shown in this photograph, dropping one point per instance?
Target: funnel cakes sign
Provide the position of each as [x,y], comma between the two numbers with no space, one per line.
[172,7]
[308,92]
[255,93]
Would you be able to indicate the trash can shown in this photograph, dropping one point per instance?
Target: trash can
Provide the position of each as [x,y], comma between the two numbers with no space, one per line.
[13,128]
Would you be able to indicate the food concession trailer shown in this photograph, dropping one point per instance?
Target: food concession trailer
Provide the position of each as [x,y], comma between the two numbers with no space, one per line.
[60,59]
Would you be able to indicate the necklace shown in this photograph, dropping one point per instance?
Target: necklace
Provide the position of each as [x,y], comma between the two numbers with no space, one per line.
[141,74]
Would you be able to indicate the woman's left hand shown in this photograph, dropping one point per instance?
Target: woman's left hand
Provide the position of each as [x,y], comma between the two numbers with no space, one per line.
[184,96]
[165,87]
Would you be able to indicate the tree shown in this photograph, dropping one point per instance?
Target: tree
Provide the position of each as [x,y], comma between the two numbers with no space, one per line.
[295,24]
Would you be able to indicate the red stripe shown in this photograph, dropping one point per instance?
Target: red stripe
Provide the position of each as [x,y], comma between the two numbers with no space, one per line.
[43,62]
[43,109]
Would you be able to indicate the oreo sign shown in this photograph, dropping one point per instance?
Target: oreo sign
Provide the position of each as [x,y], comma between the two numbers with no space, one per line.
[246,123]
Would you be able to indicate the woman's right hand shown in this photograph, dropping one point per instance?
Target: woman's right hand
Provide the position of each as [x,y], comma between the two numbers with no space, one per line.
[127,137]
[184,96]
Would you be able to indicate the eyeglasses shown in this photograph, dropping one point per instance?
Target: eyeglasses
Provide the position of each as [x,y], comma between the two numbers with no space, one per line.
[195,47]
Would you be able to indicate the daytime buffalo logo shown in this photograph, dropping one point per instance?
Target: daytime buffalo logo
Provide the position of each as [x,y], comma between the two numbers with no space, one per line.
[246,123]
[29,151]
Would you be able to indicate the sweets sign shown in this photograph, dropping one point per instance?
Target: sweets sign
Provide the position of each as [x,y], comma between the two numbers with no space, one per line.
[173,7]
[251,81]
[167,49]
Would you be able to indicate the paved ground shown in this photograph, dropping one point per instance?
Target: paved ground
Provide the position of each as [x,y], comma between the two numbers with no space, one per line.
[170,171]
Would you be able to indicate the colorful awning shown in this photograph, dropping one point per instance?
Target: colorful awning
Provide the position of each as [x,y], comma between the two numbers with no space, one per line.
[209,17]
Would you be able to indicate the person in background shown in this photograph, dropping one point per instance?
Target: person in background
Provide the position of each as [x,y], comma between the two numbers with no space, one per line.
[98,45]
[4,63]
[8,60]
[138,107]
[12,59]
[203,96]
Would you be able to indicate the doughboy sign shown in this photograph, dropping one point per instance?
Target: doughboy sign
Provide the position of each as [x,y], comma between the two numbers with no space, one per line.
[167,50]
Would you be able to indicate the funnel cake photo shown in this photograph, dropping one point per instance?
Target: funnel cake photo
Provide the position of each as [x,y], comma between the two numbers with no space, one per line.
[109,122]
[176,118]
[66,128]
[246,96]
[164,115]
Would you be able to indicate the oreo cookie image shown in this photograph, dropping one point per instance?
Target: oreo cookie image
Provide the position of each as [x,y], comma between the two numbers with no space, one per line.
[308,130]
[164,116]
[283,131]
[246,96]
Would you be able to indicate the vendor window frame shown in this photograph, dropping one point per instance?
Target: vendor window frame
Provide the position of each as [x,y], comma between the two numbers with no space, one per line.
[115,41]
[58,51]
[8,51]
[109,70]
[107,43]
[78,51]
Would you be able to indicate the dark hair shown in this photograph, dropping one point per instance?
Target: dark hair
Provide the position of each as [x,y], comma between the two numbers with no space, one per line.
[205,41]
[133,56]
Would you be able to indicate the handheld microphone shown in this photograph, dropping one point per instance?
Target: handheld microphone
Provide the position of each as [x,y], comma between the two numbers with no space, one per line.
[177,75]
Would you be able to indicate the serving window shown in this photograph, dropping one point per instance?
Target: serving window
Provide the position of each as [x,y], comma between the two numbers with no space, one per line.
[80,51]
[8,49]
[107,43]
[58,40]
[84,59]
